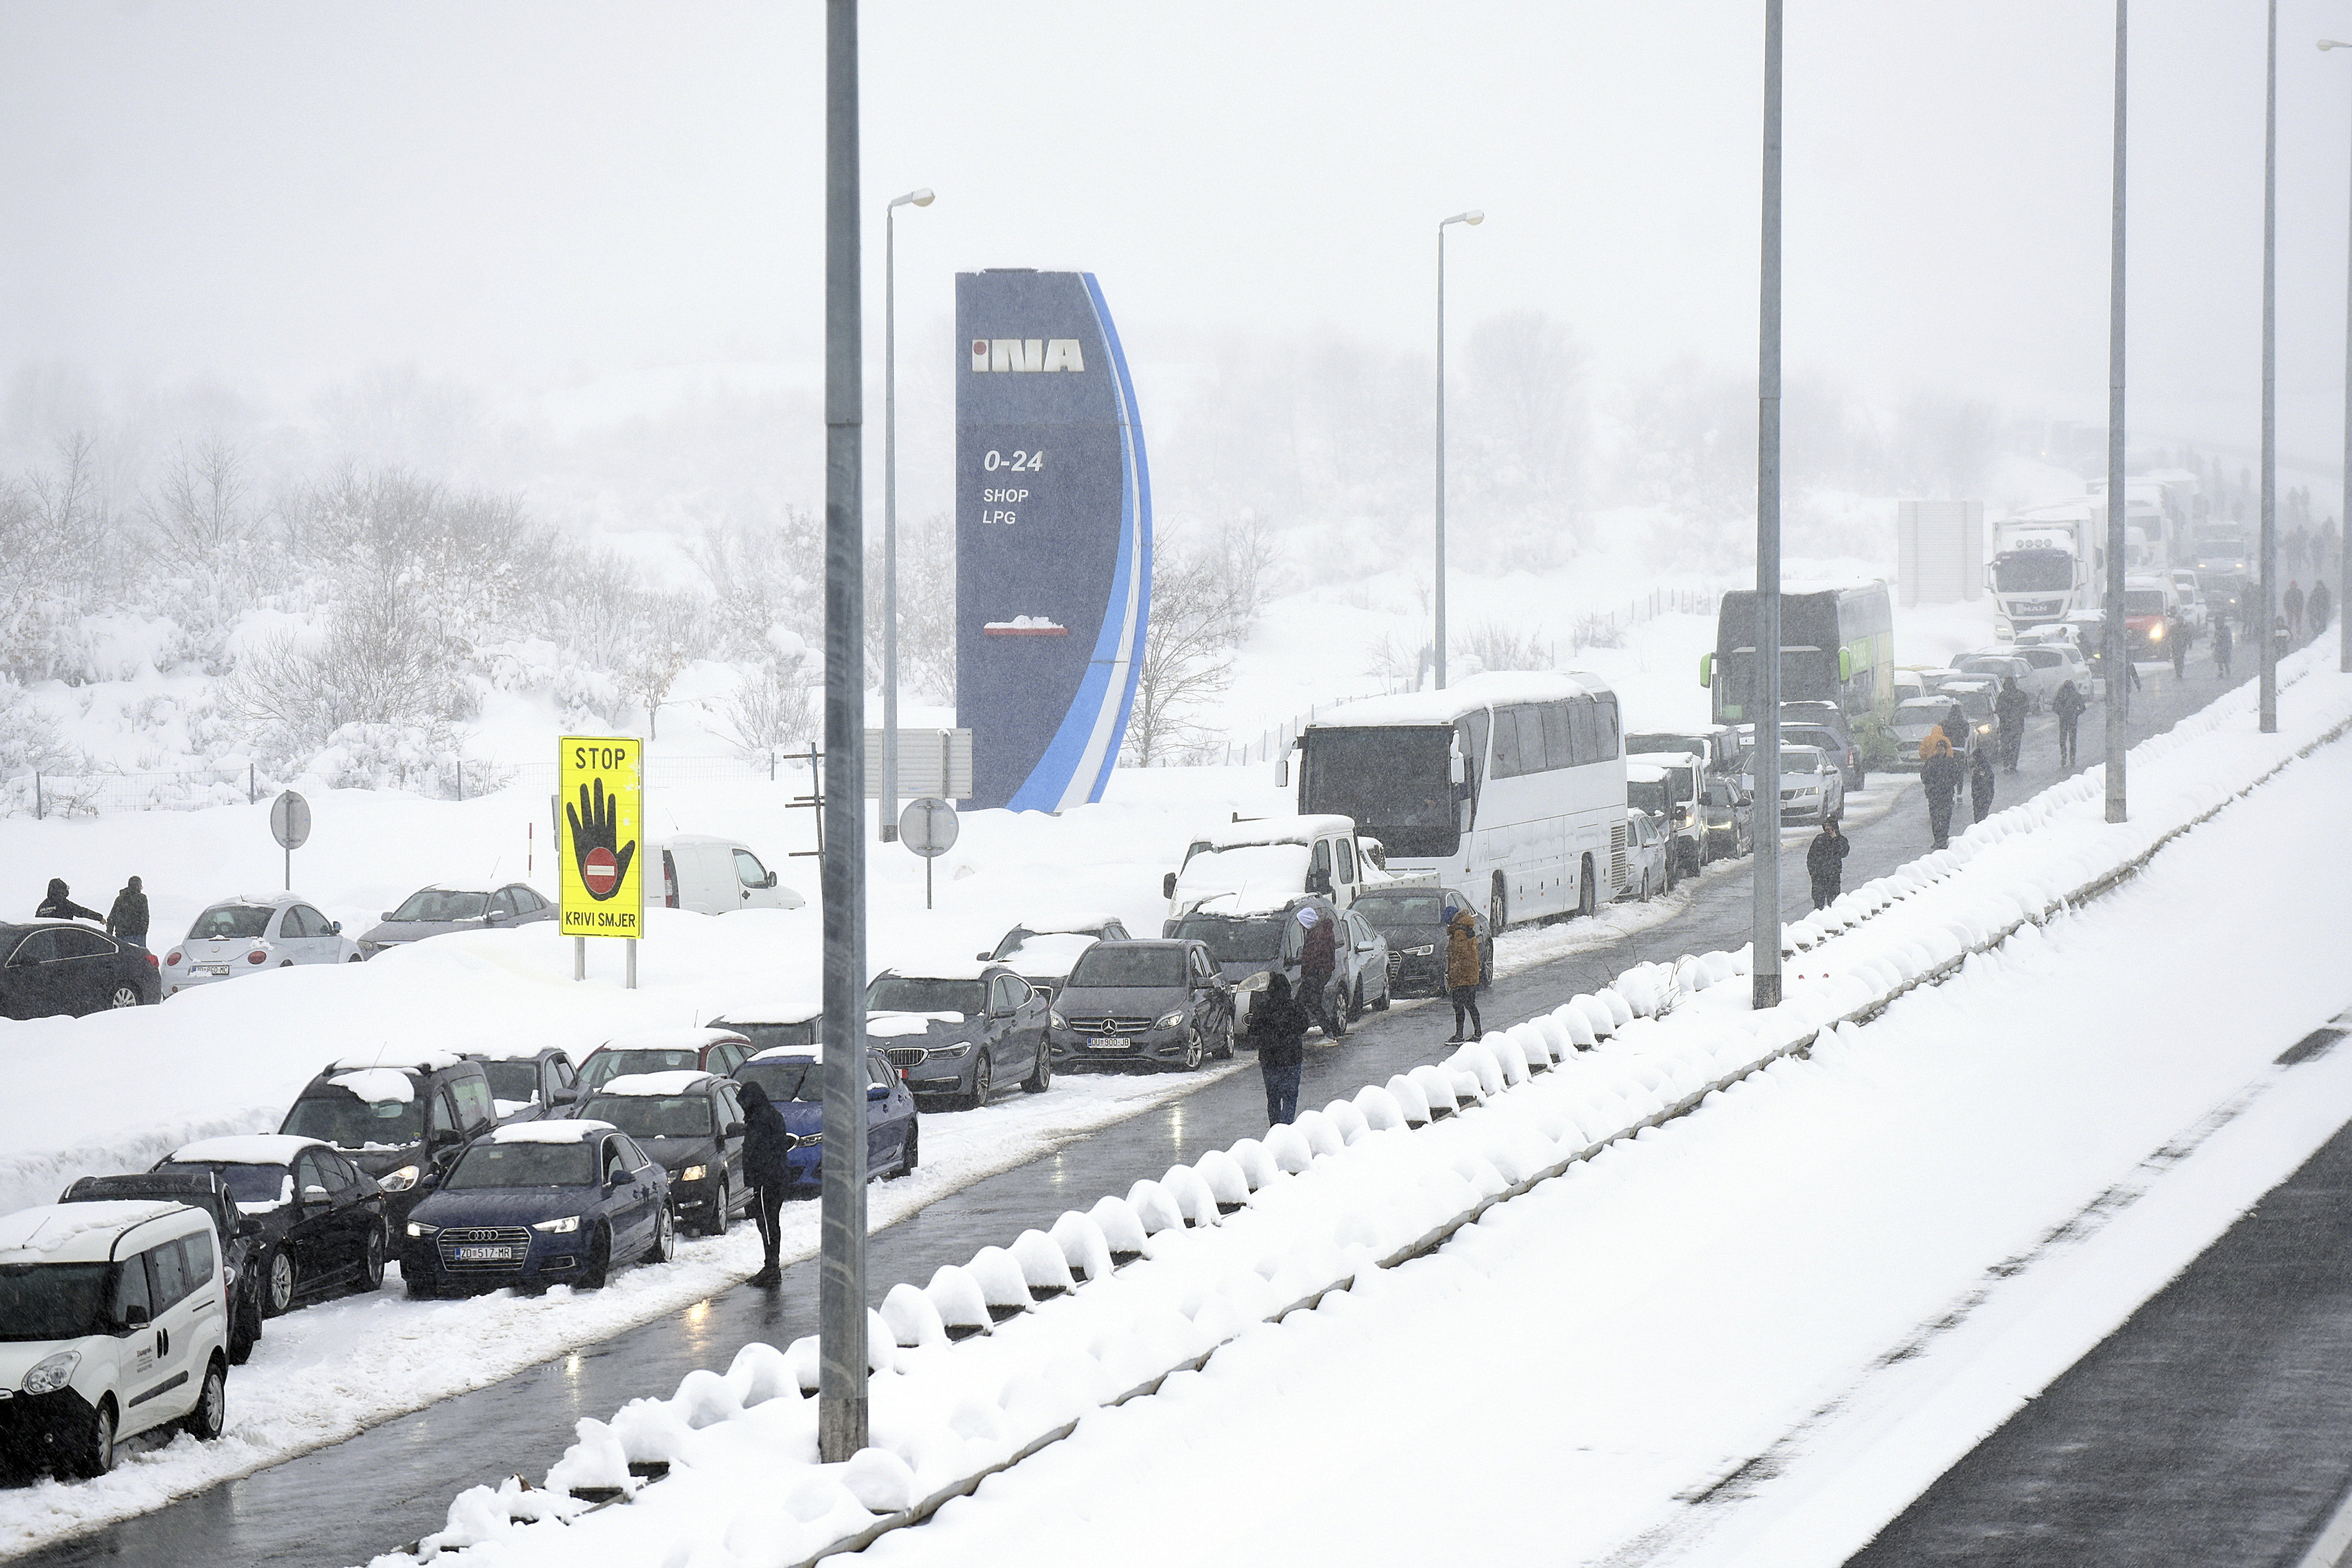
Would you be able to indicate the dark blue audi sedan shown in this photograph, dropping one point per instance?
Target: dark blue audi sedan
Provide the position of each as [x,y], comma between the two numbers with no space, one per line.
[539,1203]
[789,1074]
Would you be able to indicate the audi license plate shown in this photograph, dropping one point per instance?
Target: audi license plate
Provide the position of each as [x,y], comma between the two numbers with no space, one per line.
[212,969]
[486,1254]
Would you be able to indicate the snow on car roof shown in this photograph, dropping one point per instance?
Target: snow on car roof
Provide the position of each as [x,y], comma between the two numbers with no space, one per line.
[509,1050]
[73,1233]
[1068,925]
[1268,830]
[377,1085]
[768,1013]
[1050,953]
[1670,760]
[654,1085]
[798,1052]
[1245,879]
[669,1040]
[399,1057]
[1493,687]
[252,1149]
[1643,773]
[945,969]
[269,900]
[564,1132]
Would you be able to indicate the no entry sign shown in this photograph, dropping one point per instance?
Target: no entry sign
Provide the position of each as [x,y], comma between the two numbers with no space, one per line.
[599,781]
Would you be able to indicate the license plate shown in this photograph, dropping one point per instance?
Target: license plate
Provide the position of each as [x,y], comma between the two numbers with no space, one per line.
[486,1254]
[1113,1045]
[212,969]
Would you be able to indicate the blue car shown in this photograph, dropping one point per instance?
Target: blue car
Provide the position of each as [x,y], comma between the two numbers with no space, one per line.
[789,1075]
[539,1203]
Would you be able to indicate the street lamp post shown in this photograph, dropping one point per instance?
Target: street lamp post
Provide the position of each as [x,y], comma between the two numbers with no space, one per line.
[2269,383]
[2118,651]
[1473,218]
[2344,516]
[1764,935]
[888,815]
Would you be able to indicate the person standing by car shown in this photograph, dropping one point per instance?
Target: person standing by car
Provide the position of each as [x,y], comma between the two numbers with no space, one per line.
[2068,704]
[2222,639]
[1980,785]
[1318,958]
[1825,863]
[59,904]
[1278,1030]
[765,1144]
[128,918]
[1941,779]
[1463,973]
[2009,708]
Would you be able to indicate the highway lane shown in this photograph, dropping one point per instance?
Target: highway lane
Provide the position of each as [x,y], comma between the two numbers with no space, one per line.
[343,1504]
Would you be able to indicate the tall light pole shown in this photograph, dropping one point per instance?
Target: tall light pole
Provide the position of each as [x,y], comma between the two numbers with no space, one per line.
[888,815]
[2117,652]
[1473,218]
[2344,516]
[1764,940]
[2270,382]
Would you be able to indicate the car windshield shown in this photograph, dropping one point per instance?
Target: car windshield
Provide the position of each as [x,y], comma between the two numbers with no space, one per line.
[52,1301]
[783,1080]
[601,1067]
[652,1115]
[1922,710]
[1666,744]
[343,1119]
[768,1036]
[523,1164]
[1234,941]
[514,1081]
[230,923]
[246,1183]
[2144,601]
[900,994]
[1389,911]
[1819,738]
[1985,665]
[1793,760]
[1647,795]
[1128,964]
[1012,941]
[441,903]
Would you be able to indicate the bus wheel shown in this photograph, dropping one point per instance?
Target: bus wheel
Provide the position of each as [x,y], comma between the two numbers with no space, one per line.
[1588,896]
[1498,907]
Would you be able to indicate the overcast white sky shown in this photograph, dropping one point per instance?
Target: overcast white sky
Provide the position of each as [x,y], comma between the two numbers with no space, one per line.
[529,195]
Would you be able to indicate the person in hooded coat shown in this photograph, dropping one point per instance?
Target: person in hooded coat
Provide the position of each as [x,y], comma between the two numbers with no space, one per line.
[2009,708]
[766,1141]
[2317,608]
[1318,960]
[2068,704]
[2223,640]
[1463,973]
[1941,779]
[1278,1031]
[59,905]
[1825,863]
[1980,784]
[2176,626]
[128,918]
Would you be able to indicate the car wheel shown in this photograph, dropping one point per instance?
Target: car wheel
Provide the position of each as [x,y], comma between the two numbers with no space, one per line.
[372,1262]
[1038,1082]
[89,1453]
[984,1083]
[206,1421]
[1225,1039]
[1379,1005]
[665,1244]
[125,996]
[352,959]
[244,1328]
[278,1284]
[600,1259]
[1192,1052]
[906,1156]
[718,1215]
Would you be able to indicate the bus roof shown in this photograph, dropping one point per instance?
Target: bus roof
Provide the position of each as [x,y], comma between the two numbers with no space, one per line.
[1495,688]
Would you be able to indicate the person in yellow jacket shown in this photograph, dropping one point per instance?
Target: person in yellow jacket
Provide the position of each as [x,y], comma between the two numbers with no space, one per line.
[1463,973]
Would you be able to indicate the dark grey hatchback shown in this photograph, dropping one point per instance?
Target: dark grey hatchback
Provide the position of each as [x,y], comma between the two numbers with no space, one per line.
[960,1034]
[1157,1003]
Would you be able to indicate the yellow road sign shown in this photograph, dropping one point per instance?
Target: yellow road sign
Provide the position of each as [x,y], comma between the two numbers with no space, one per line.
[600,778]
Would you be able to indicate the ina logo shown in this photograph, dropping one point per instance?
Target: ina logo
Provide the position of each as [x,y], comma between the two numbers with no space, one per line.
[1026,354]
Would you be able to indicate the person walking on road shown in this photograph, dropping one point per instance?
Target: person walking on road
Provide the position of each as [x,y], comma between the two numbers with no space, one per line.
[128,918]
[1980,784]
[59,905]
[2176,630]
[1825,863]
[1463,973]
[1941,778]
[1277,1029]
[1316,961]
[2223,641]
[765,1143]
[2316,608]
[2068,704]
[2292,602]
[2009,708]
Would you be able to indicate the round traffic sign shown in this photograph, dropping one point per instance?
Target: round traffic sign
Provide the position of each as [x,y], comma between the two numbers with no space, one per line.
[289,821]
[928,826]
[601,872]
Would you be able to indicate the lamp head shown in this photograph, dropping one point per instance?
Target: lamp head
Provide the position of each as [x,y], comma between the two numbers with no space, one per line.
[1474,217]
[922,198]
[2327,43]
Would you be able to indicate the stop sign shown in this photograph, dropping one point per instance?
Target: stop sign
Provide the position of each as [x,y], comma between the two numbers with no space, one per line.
[601,872]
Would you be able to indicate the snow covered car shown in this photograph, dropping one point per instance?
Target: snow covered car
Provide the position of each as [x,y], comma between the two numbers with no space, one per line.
[794,1085]
[692,1125]
[950,1032]
[1364,958]
[316,1220]
[528,1081]
[712,875]
[395,1114]
[705,1050]
[1041,951]
[55,967]
[539,1203]
[1159,1004]
[767,1025]
[1413,922]
[1812,790]
[240,1238]
[2000,664]
[1647,854]
[111,1325]
[438,911]
[251,933]
[1650,791]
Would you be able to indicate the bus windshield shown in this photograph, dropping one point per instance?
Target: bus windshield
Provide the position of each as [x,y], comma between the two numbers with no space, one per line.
[1807,675]
[1393,782]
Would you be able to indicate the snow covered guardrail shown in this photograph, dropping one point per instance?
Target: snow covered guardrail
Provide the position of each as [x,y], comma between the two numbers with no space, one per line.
[997,1359]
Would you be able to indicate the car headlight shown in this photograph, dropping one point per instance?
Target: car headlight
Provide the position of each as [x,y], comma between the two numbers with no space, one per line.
[694,1172]
[2155,633]
[400,1180]
[418,1227]
[1169,1020]
[961,1048]
[564,1226]
[48,1377]
[1058,1020]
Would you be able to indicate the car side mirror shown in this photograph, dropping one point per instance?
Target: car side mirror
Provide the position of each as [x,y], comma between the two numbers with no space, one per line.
[771,882]
[136,1315]
[334,928]
[878,1091]
[734,1130]
[1167,885]
[984,955]
[248,1227]
[315,1195]
[1281,772]
[615,1180]
[493,917]
[385,915]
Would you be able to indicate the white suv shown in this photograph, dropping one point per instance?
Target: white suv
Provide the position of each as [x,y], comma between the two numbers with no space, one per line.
[110,1325]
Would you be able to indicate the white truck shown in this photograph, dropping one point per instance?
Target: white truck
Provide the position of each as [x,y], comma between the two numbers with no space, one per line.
[2049,565]
[1246,867]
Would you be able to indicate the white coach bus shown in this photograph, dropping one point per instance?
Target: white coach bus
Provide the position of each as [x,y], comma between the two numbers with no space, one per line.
[1510,786]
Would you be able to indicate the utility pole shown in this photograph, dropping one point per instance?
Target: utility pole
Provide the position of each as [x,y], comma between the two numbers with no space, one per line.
[2117,654]
[841,1277]
[888,815]
[1765,941]
[2269,383]
[1473,218]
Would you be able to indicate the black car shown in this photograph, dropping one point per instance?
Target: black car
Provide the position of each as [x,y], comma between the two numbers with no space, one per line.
[692,1125]
[437,911]
[530,1083]
[1161,1003]
[1730,818]
[1414,920]
[395,1116]
[318,1219]
[960,1034]
[57,967]
[793,1079]
[243,1248]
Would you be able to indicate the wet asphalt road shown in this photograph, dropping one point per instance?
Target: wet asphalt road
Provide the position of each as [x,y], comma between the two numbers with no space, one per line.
[344,1504]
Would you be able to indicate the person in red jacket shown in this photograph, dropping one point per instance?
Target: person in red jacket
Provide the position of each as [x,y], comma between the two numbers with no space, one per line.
[1316,961]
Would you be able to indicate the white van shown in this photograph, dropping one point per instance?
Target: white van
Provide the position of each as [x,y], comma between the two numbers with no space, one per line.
[712,875]
[111,1324]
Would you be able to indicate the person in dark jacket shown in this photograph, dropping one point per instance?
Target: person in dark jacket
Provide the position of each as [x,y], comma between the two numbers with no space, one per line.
[2222,640]
[1941,779]
[128,918]
[1825,863]
[1277,1029]
[57,905]
[1317,959]
[766,1141]
[2068,704]
[2292,602]
[2317,607]
[2177,629]
[1463,972]
[1980,785]
[2009,708]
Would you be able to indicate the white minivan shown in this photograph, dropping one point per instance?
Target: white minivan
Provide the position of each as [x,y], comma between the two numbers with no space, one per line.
[111,1324]
[713,875]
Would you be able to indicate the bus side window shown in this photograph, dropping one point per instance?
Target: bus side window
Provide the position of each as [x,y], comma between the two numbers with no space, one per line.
[1584,743]
[1507,744]
[1559,750]
[1470,730]
[1605,713]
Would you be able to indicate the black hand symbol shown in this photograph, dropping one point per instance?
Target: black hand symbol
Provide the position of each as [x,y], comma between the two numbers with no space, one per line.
[599,831]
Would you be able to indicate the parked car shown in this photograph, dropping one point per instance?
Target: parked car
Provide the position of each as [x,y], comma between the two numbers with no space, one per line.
[2002,666]
[1811,787]
[1683,824]
[713,875]
[437,911]
[2053,663]
[556,1200]
[1265,941]
[705,1050]
[2191,597]
[1650,791]
[1730,813]
[767,1025]
[111,1324]
[318,1219]
[1910,723]
[1716,747]
[954,1032]
[528,1081]
[1041,951]
[1646,855]
[1908,684]
[1413,922]
[1363,957]
[789,1074]
[397,1115]
[243,1247]
[2149,606]
[1159,1002]
[249,934]
[1825,725]
[692,1125]
[61,967]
